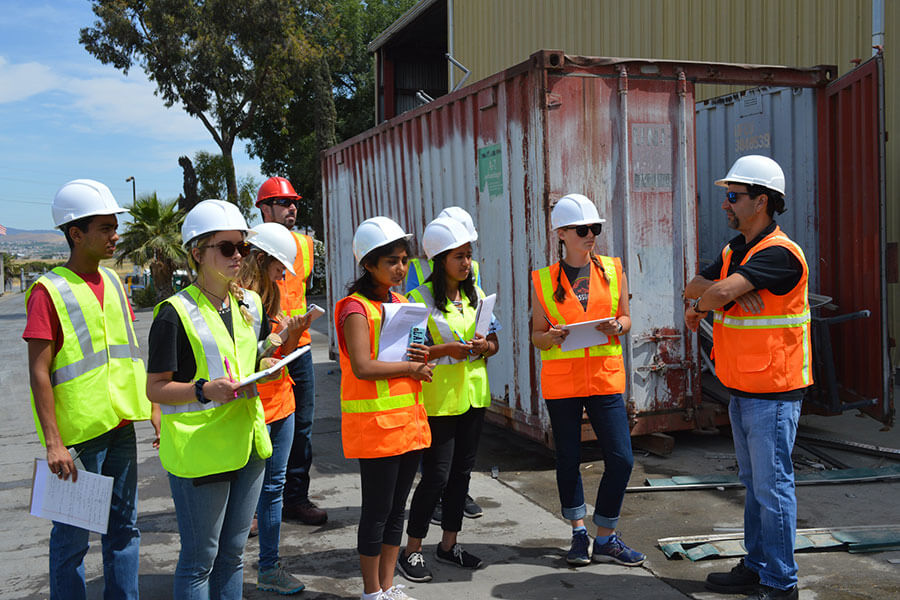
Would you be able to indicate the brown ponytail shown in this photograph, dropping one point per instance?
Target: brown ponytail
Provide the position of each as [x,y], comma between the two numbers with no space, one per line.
[559,294]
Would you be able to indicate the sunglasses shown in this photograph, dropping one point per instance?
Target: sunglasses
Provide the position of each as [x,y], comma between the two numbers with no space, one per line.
[582,230]
[227,248]
[733,197]
[283,202]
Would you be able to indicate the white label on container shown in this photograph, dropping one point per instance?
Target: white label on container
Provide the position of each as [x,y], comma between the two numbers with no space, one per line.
[651,157]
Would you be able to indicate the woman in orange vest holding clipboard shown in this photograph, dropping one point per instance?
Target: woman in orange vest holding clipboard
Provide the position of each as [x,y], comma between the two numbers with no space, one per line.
[581,287]
[383,420]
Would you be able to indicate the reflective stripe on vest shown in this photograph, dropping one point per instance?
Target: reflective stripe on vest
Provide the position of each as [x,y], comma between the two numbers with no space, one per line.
[211,362]
[441,332]
[422,269]
[548,286]
[91,360]
[93,390]
[759,353]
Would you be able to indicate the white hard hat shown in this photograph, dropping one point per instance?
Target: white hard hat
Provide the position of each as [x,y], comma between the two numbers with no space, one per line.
[277,241]
[83,198]
[210,216]
[375,233]
[574,209]
[444,234]
[754,169]
[462,215]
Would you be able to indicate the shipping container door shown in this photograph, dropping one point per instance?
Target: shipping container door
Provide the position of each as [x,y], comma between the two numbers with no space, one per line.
[852,235]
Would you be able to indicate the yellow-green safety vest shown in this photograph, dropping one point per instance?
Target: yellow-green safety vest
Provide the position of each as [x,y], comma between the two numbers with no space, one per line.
[455,384]
[199,439]
[421,269]
[98,377]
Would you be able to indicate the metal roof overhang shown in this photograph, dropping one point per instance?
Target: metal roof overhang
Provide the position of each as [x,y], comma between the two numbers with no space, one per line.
[408,17]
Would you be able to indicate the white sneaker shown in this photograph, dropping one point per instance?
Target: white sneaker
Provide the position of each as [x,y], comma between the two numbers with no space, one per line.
[395,592]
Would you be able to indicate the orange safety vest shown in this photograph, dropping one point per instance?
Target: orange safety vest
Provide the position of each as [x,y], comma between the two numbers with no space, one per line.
[771,351]
[382,417]
[593,371]
[293,287]
[278,396]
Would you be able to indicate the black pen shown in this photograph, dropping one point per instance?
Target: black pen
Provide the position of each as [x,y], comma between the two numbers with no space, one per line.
[552,326]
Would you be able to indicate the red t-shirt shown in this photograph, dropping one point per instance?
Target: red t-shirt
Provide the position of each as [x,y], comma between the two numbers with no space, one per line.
[350,307]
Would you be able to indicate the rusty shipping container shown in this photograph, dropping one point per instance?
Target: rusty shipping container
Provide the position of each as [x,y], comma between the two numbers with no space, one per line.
[620,131]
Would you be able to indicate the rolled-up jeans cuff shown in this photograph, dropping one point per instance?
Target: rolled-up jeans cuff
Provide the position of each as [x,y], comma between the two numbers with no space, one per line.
[574,513]
[608,522]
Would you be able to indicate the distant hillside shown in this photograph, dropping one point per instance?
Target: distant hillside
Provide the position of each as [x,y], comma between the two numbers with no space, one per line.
[40,236]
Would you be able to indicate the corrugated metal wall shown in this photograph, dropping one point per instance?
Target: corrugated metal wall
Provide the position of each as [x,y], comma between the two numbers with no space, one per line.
[489,35]
[776,122]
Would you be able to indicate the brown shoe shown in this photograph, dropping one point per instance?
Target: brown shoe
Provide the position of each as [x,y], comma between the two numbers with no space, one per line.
[307,513]
[254,527]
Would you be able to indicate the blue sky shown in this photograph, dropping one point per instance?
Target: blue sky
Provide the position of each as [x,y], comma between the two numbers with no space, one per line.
[64,115]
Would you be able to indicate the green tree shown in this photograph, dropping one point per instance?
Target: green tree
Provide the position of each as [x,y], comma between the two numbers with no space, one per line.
[221,60]
[211,171]
[332,97]
[154,238]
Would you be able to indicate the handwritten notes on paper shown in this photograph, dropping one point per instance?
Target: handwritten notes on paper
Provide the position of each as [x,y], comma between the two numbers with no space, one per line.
[84,503]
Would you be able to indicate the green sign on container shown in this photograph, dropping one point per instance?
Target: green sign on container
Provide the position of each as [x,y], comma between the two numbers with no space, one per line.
[490,169]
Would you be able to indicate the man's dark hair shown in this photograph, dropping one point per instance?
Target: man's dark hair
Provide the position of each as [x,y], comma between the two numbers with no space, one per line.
[776,199]
[82,224]
[365,283]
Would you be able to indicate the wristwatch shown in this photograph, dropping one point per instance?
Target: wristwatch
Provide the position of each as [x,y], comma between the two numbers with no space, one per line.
[619,326]
[198,391]
[695,304]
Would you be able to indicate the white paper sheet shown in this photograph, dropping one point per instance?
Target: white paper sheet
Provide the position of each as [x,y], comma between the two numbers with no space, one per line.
[484,313]
[397,318]
[84,503]
[584,335]
[277,366]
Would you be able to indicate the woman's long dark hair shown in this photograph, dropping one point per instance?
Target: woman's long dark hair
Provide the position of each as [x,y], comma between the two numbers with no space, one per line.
[364,283]
[438,279]
[559,294]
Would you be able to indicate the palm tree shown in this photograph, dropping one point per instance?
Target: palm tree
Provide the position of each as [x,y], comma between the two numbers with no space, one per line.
[154,237]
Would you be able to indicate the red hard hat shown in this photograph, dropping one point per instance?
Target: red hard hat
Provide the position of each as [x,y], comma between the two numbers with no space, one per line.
[276,187]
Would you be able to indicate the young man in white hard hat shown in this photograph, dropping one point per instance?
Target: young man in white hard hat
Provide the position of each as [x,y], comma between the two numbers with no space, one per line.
[757,290]
[277,202]
[88,385]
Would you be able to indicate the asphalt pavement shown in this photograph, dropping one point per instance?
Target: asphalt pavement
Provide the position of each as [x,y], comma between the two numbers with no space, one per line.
[521,537]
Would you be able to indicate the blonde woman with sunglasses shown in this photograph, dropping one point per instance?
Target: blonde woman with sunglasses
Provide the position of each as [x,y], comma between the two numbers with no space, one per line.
[213,438]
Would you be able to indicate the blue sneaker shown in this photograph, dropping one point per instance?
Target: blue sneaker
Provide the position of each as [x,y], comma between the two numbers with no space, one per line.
[616,551]
[578,553]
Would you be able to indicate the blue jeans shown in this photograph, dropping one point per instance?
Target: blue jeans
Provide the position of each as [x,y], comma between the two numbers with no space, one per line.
[214,522]
[113,454]
[610,422]
[268,510]
[296,487]
[764,432]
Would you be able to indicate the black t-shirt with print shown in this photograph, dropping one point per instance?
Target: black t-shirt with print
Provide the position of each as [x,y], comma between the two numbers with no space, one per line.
[580,280]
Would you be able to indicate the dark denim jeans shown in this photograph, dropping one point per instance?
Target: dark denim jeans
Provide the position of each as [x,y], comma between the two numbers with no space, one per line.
[764,432]
[296,487]
[610,423]
[268,510]
[113,454]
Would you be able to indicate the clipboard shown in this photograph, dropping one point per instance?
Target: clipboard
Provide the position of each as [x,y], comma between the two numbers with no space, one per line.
[276,367]
[584,335]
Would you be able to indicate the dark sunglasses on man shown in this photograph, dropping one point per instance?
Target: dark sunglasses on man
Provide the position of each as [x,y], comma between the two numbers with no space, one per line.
[582,230]
[733,197]
[285,202]
[227,248]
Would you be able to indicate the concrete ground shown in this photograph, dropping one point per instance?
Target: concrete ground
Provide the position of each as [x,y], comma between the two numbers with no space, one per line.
[521,537]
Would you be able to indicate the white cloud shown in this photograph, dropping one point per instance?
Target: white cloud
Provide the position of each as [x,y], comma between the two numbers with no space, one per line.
[21,81]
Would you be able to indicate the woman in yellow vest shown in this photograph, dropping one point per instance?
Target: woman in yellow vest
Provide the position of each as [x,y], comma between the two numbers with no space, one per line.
[583,287]
[455,399]
[383,422]
[213,438]
[274,251]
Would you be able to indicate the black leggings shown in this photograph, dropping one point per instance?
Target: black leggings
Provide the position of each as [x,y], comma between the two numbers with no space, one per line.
[446,469]
[385,486]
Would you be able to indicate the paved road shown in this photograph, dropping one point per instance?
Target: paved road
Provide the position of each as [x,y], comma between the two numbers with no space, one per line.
[521,537]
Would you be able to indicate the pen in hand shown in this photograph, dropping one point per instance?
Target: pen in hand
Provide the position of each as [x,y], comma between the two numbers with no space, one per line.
[230,376]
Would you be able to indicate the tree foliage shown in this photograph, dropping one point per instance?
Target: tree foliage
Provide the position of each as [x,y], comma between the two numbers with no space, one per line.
[154,238]
[221,60]
[335,87]
[211,172]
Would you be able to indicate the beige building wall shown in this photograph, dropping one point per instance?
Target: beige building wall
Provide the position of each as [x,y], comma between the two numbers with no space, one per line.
[490,35]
